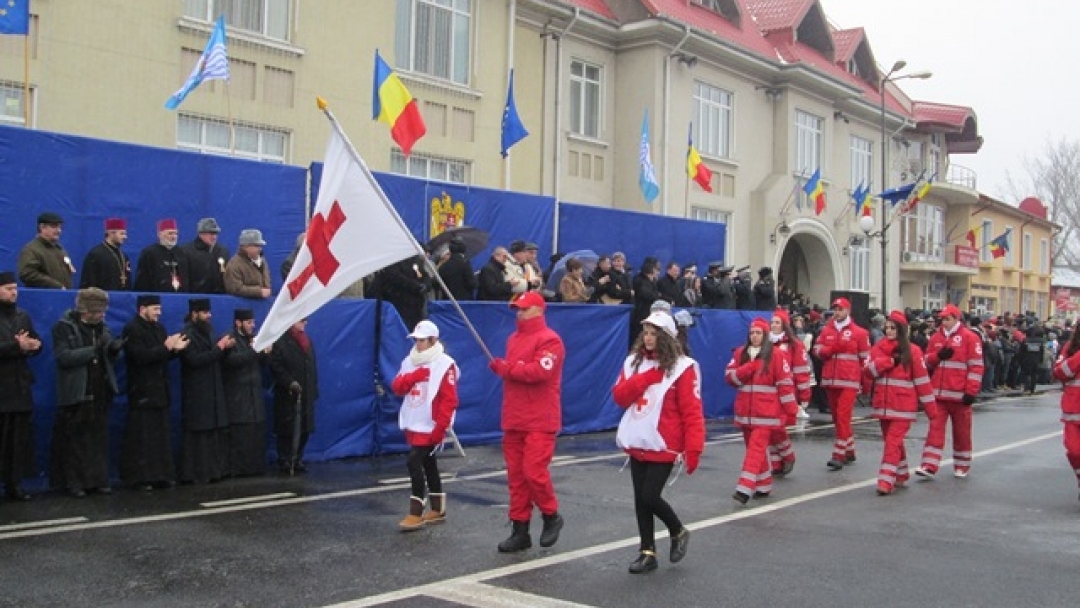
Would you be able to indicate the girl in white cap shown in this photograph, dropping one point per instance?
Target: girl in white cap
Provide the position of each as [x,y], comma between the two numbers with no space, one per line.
[428,383]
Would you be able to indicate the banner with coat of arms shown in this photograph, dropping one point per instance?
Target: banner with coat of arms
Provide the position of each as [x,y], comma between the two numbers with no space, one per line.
[445,214]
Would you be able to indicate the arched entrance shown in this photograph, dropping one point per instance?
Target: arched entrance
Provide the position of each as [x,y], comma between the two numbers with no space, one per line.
[810,262]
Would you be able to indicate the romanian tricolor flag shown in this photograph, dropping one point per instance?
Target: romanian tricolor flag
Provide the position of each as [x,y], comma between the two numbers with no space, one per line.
[920,194]
[392,103]
[863,206]
[999,246]
[695,168]
[972,235]
[815,191]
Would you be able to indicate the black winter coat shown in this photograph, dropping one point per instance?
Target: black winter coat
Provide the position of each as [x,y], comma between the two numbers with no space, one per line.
[288,364]
[458,275]
[206,266]
[16,379]
[244,395]
[765,295]
[147,364]
[75,347]
[156,268]
[493,284]
[203,392]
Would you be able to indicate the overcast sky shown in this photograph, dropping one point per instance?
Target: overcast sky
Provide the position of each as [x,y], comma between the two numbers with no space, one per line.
[1011,61]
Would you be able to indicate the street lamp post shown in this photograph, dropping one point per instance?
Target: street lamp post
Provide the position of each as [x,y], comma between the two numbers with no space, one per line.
[867,227]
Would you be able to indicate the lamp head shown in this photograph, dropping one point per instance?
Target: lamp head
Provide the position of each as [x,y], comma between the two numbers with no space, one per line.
[866,224]
[899,65]
[923,75]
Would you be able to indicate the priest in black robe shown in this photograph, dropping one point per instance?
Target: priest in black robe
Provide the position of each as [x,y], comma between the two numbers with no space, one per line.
[204,443]
[242,368]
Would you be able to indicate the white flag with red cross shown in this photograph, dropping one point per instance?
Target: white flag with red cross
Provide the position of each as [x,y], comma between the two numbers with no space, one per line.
[354,232]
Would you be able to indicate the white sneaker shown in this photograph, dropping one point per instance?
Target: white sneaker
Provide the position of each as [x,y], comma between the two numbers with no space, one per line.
[960,473]
[802,415]
[924,473]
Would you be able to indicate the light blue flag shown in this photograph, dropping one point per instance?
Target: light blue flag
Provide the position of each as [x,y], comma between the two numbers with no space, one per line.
[650,188]
[15,17]
[513,130]
[212,65]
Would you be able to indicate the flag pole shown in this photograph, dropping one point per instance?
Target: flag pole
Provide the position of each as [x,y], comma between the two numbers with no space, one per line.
[325,107]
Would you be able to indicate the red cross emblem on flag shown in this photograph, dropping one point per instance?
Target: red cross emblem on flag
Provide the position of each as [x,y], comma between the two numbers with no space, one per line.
[323,263]
[642,404]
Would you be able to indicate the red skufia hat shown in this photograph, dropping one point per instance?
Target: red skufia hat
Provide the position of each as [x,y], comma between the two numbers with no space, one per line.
[115,223]
[166,224]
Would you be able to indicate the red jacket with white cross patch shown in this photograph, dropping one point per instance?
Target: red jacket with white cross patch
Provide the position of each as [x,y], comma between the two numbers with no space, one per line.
[533,382]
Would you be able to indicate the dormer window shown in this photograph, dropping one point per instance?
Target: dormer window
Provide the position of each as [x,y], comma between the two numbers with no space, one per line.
[728,9]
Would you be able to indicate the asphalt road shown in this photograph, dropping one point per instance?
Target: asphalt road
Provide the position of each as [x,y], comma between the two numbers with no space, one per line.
[1005,536]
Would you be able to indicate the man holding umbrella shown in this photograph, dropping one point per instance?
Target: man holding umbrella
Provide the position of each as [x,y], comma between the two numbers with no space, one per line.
[296,387]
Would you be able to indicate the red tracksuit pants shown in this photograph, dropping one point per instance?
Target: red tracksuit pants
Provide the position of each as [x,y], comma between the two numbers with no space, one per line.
[894,466]
[756,474]
[527,456]
[1072,447]
[780,448]
[960,415]
[842,404]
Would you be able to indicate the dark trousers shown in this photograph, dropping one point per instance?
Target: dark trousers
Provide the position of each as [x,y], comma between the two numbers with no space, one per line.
[649,479]
[424,468]
[285,449]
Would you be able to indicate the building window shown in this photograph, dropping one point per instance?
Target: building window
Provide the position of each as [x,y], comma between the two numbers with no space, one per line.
[809,136]
[987,236]
[211,136]
[1008,299]
[278,86]
[1042,303]
[923,234]
[933,156]
[585,98]
[933,296]
[430,167]
[1044,257]
[859,253]
[915,164]
[713,114]
[434,38]
[721,217]
[12,110]
[1009,263]
[268,18]
[1026,253]
[862,161]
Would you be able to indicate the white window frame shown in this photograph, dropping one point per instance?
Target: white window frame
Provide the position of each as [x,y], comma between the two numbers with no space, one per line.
[264,137]
[585,88]
[933,156]
[1044,256]
[447,39]
[932,299]
[702,214]
[424,166]
[924,230]
[859,255]
[273,15]
[987,236]
[1009,260]
[14,91]
[862,161]
[809,142]
[714,118]
[1027,253]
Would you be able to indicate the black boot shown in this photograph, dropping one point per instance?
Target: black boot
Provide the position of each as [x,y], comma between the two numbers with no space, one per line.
[552,525]
[519,538]
[679,543]
[646,562]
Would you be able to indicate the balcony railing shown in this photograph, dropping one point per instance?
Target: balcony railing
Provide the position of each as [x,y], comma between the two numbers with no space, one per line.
[960,175]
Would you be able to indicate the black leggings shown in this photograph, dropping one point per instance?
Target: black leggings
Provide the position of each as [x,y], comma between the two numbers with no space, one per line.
[423,466]
[649,479]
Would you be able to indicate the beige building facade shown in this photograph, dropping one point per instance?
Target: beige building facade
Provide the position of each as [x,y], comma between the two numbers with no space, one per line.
[769,91]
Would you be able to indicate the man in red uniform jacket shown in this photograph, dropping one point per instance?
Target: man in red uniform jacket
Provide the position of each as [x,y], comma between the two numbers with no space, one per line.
[843,348]
[531,418]
[954,358]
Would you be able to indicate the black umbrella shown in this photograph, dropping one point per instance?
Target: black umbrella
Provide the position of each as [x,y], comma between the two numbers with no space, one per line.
[475,240]
[298,425]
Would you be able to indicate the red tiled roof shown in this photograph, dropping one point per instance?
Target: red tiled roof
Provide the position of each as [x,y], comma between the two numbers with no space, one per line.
[940,114]
[846,42]
[701,18]
[774,15]
[599,7]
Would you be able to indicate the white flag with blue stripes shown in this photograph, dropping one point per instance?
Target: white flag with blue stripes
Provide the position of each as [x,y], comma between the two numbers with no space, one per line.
[650,188]
[212,65]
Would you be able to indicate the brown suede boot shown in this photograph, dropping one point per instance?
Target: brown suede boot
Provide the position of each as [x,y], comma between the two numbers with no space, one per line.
[437,513]
[414,520]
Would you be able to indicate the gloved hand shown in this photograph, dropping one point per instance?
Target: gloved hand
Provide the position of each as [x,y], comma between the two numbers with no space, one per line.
[438,435]
[896,360]
[501,367]
[653,376]
[968,399]
[945,353]
[294,387]
[693,459]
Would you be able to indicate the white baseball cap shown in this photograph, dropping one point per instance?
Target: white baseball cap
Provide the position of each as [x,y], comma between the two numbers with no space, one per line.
[425,329]
[663,321]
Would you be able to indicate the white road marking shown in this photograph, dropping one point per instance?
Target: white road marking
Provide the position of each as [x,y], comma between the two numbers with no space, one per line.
[433,589]
[390,480]
[43,524]
[240,501]
[479,595]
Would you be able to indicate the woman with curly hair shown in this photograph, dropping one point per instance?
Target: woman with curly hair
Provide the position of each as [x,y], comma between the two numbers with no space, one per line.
[664,423]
